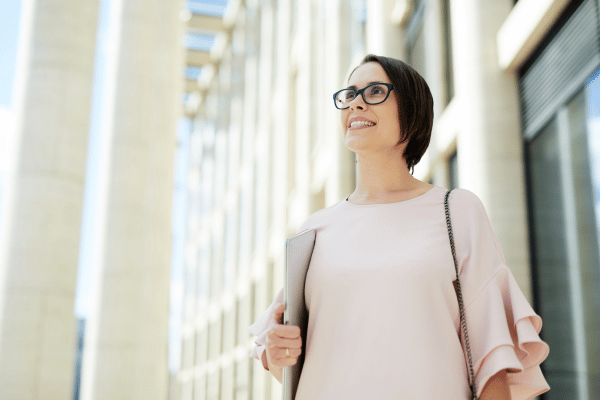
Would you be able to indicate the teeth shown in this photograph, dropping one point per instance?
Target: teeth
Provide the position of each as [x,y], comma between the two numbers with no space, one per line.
[361,123]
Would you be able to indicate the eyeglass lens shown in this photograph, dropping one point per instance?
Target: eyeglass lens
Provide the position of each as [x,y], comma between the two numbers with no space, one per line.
[373,94]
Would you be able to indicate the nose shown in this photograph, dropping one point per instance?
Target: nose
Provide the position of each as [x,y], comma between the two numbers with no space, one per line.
[358,103]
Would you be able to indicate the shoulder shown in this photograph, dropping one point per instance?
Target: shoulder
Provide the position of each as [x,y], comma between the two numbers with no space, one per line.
[319,217]
[466,204]
[464,197]
[471,220]
[468,216]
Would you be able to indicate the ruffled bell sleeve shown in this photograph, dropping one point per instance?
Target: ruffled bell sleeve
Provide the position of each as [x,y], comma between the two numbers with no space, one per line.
[502,327]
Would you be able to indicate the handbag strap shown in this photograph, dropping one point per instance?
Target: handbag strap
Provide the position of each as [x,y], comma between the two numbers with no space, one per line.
[456,283]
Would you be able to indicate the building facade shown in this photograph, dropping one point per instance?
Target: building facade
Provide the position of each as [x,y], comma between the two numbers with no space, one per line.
[517,111]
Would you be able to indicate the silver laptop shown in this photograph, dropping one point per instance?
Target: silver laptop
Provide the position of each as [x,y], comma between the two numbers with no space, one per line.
[298,252]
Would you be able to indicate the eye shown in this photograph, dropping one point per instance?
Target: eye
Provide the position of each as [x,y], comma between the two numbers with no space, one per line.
[377,89]
[348,95]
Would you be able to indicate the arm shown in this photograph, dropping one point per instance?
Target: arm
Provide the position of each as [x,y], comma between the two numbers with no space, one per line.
[496,388]
[274,369]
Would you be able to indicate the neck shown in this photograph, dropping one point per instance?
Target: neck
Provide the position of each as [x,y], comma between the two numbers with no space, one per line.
[379,176]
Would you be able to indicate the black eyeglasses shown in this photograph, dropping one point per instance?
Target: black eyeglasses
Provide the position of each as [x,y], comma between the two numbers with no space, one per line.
[374,93]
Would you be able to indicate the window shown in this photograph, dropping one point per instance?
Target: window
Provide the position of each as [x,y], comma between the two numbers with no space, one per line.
[560,102]
[448,66]
[295,14]
[563,168]
[415,44]
[359,26]
[453,171]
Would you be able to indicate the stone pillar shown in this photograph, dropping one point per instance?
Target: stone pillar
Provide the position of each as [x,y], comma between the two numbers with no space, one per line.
[337,40]
[280,113]
[490,160]
[305,113]
[125,353]
[346,159]
[41,220]
[384,37]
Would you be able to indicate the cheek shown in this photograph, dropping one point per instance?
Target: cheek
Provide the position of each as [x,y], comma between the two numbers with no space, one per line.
[393,120]
[389,123]
[343,118]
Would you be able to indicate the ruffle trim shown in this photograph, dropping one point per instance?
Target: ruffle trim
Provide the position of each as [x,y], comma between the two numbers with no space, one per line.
[504,335]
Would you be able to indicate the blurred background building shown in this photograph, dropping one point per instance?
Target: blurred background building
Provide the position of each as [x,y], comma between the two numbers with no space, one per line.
[517,121]
[517,104]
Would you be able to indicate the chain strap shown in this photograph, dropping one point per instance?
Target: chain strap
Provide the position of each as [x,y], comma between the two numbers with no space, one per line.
[456,283]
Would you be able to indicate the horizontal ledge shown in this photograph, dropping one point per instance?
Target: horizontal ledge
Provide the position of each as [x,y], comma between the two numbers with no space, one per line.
[191,85]
[197,58]
[523,30]
[206,23]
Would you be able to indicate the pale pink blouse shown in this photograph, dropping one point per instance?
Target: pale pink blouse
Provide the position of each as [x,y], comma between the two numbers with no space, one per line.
[383,313]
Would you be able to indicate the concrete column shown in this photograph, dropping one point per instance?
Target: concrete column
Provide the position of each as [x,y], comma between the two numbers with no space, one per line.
[265,132]
[280,113]
[125,354]
[490,160]
[341,161]
[384,37]
[299,207]
[41,220]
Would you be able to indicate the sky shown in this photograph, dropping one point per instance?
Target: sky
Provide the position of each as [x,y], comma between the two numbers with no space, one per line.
[10,15]
[10,12]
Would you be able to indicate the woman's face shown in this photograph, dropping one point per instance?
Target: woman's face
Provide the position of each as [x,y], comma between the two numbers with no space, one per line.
[383,128]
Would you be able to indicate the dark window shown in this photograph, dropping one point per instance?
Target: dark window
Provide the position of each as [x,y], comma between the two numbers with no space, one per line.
[448,65]
[415,46]
[453,171]
[563,168]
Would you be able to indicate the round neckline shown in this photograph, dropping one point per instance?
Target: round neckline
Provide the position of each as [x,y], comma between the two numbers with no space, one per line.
[387,204]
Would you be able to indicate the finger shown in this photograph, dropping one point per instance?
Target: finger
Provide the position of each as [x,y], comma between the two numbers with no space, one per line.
[293,352]
[287,331]
[276,342]
[278,352]
[278,313]
[282,352]
[285,361]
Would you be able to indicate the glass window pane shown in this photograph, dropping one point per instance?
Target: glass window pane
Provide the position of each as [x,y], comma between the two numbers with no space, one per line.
[593,141]
[584,110]
[359,19]
[416,54]
[453,170]
[551,267]
[448,65]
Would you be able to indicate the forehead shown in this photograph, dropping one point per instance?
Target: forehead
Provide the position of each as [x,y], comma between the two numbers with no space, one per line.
[369,72]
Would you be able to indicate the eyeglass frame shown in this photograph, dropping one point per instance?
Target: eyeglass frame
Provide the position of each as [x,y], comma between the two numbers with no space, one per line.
[361,91]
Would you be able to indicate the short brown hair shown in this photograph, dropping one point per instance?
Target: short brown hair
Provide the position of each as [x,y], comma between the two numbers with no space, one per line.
[415,106]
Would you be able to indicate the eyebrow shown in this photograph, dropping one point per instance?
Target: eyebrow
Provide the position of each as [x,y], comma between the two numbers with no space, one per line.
[370,83]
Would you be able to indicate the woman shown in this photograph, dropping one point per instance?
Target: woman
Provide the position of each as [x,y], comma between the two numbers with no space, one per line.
[383,312]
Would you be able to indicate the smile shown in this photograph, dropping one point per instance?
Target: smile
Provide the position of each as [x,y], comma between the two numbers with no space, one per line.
[361,124]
